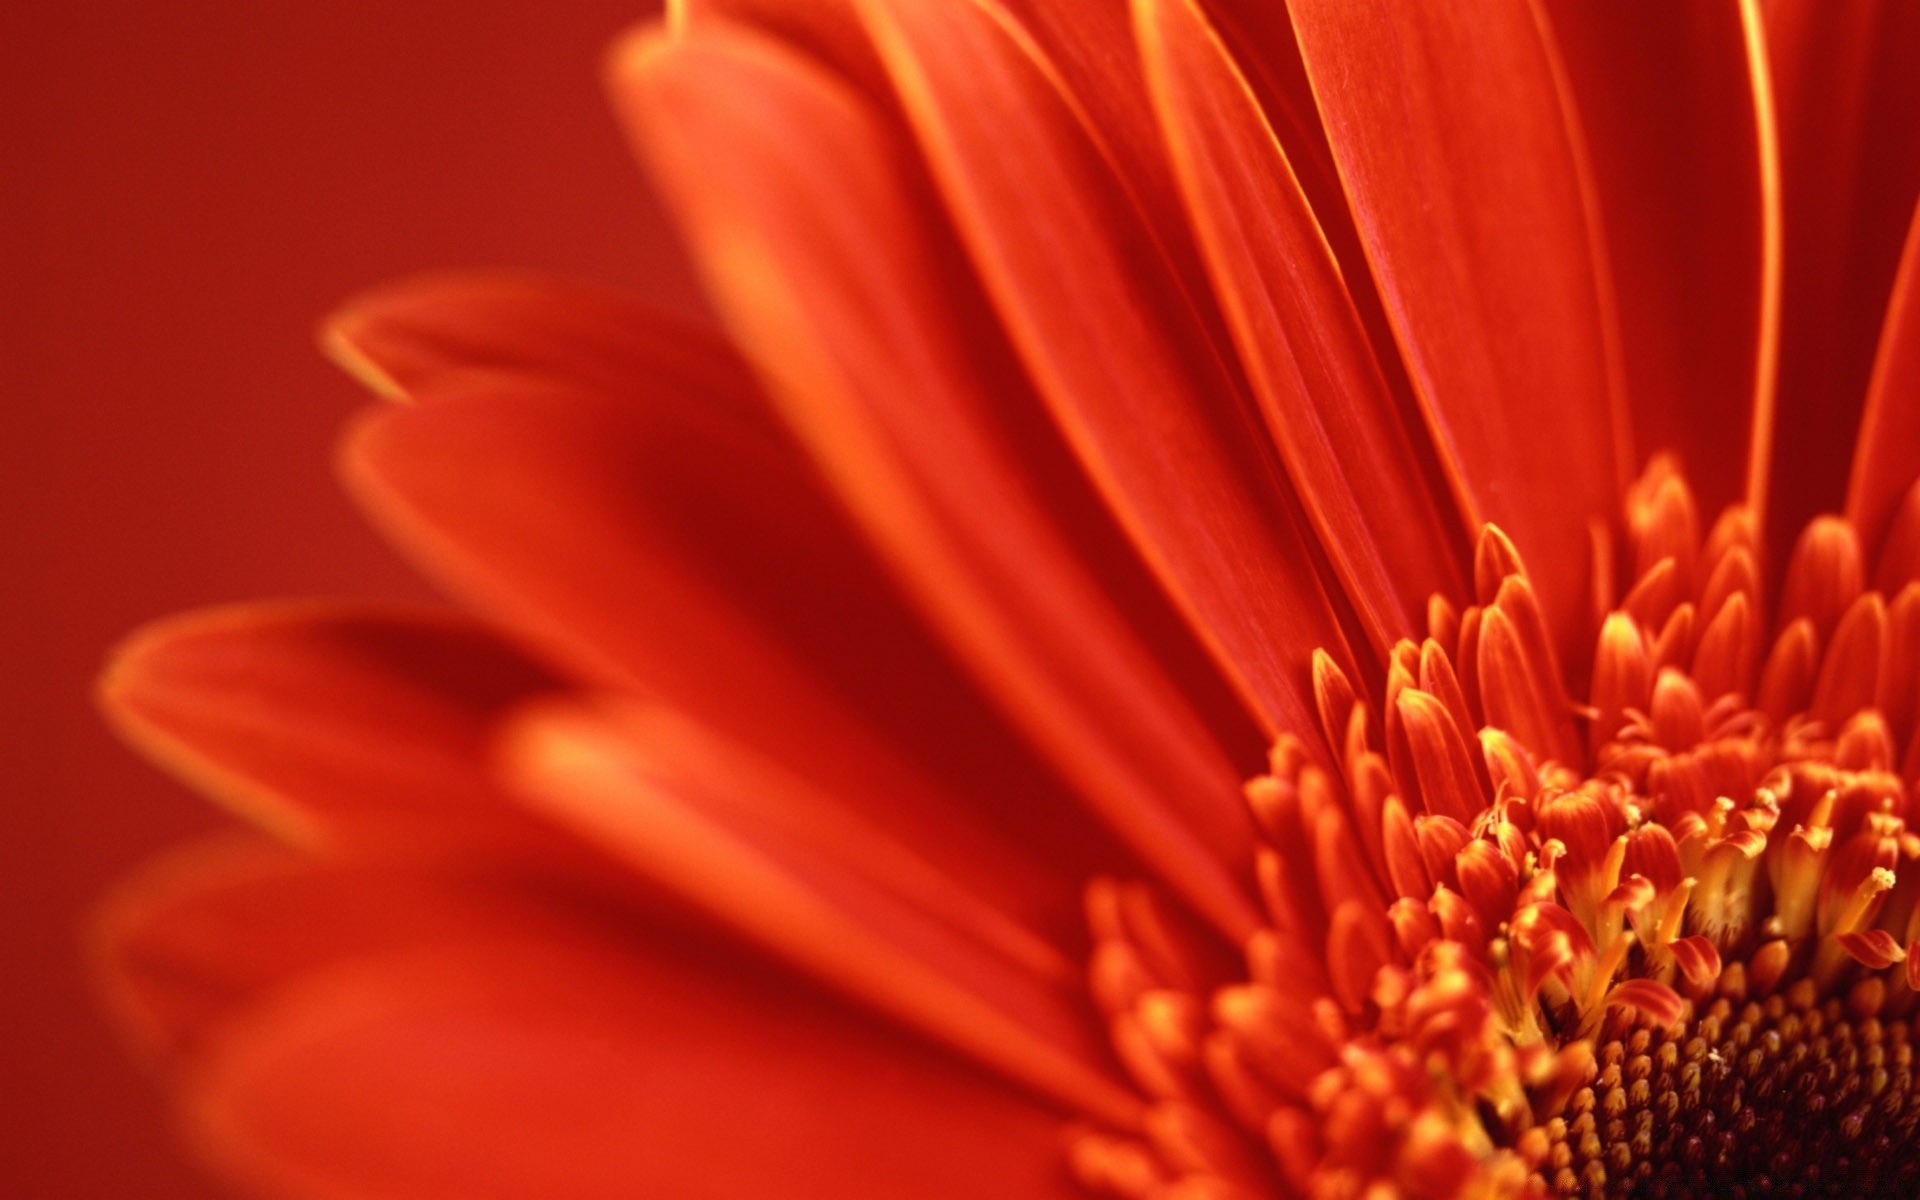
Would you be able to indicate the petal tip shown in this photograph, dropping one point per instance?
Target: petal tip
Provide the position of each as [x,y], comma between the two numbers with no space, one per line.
[342,337]
[633,54]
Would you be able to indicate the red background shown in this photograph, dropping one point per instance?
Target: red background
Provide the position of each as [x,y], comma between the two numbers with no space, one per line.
[187,189]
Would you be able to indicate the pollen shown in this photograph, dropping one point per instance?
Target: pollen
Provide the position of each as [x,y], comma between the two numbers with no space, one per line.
[1635,915]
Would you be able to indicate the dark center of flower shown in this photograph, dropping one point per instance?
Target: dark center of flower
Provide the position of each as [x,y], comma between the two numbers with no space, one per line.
[1651,941]
[1784,1096]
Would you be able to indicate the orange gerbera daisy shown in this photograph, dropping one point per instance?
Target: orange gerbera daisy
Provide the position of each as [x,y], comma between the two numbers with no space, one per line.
[847,793]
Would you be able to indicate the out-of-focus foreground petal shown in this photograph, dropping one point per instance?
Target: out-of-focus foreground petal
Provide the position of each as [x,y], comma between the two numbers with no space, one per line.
[356,1033]
[433,334]
[818,886]
[661,553]
[327,723]
[815,253]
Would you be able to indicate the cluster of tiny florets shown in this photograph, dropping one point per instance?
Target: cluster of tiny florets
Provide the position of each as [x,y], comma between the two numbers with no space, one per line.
[1523,940]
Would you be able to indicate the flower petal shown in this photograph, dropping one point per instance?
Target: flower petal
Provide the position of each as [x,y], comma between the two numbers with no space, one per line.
[659,552]
[1392,541]
[796,207]
[207,931]
[327,722]
[1113,343]
[1448,125]
[1850,162]
[421,335]
[1260,39]
[1672,114]
[755,849]
[1886,459]
[506,1046]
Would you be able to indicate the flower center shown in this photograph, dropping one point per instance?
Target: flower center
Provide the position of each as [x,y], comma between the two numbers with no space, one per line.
[1761,1095]
[1651,942]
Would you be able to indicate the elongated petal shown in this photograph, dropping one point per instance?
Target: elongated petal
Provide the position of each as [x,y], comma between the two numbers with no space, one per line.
[1850,163]
[1088,48]
[424,335]
[701,820]
[1886,460]
[1391,541]
[819,258]
[1261,41]
[327,722]
[1119,356]
[1669,104]
[660,554]
[503,1047]
[204,933]
[758,802]
[1448,126]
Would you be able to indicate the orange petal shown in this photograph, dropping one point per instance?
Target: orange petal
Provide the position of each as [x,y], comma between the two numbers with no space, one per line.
[734,838]
[840,301]
[503,1046]
[1259,38]
[1086,48]
[426,334]
[658,553]
[204,933]
[1448,125]
[1850,163]
[1392,542]
[326,722]
[809,832]
[1886,458]
[1116,349]
[1671,117]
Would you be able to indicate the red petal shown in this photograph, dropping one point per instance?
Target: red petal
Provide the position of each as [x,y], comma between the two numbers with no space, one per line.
[1259,38]
[1670,112]
[1115,348]
[1850,162]
[694,563]
[1448,126]
[1392,542]
[428,334]
[1874,949]
[206,932]
[840,301]
[1886,459]
[504,1047]
[795,872]
[326,722]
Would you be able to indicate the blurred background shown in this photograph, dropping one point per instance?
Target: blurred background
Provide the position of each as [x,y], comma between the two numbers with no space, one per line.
[187,189]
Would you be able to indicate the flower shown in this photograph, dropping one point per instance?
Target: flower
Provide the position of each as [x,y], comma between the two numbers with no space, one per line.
[850,785]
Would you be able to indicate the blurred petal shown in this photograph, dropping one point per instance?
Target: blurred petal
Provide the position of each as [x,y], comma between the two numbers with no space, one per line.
[487,1043]
[703,818]
[205,933]
[817,255]
[1114,347]
[1886,461]
[1391,541]
[1669,107]
[661,553]
[327,722]
[1850,160]
[1448,125]
[428,334]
